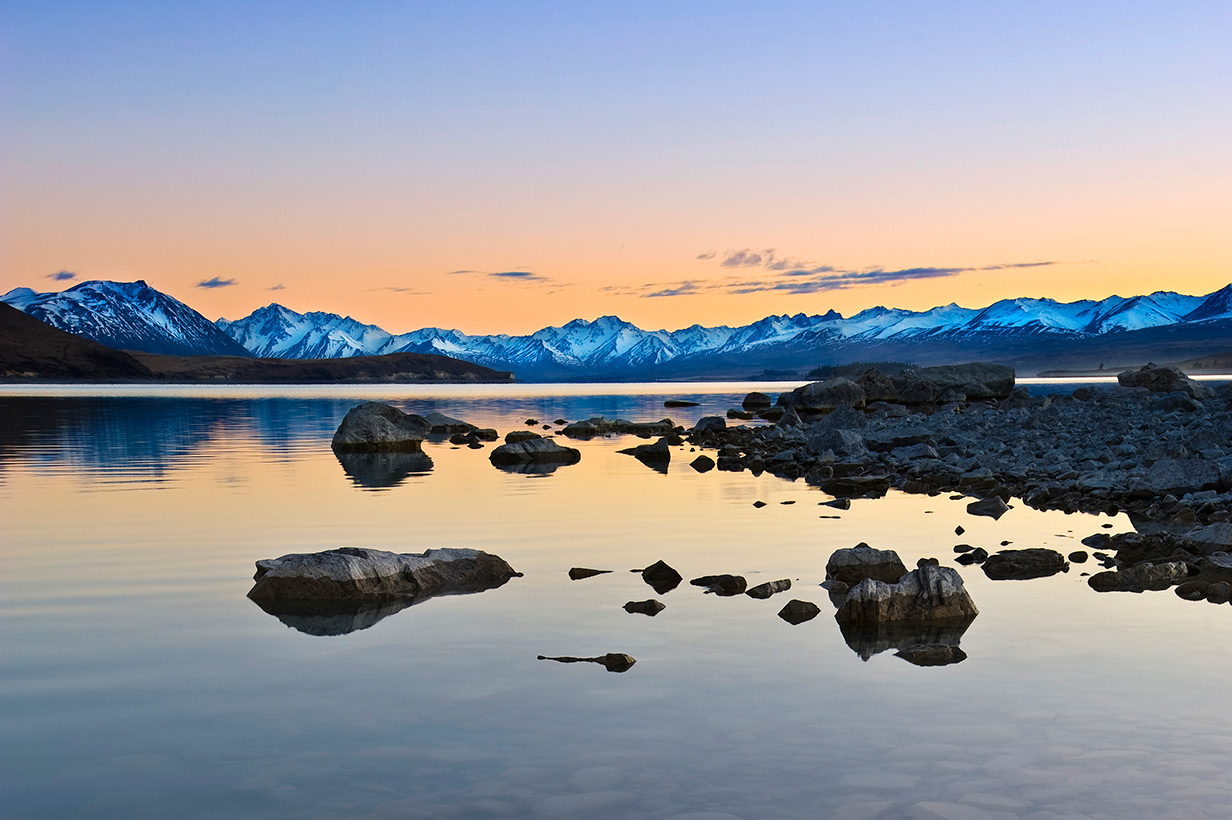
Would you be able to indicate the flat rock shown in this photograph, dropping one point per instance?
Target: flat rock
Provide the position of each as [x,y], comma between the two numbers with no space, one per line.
[578,573]
[649,607]
[932,654]
[1140,577]
[1036,562]
[769,588]
[612,661]
[534,451]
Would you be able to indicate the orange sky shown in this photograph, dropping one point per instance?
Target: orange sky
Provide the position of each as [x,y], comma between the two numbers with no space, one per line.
[332,168]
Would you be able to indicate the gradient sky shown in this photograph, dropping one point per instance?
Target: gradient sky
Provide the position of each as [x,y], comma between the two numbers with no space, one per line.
[498,167]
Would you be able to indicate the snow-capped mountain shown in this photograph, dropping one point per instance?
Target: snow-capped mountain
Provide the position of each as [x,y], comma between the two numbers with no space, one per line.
[127,316]
[609,347]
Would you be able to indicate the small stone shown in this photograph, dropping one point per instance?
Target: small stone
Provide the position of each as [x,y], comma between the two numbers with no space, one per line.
[702,464]
[649,607]
[578,573]
[759,504]
[993,507]
[797,612]
[1078,557]
[959,529]
[769,588]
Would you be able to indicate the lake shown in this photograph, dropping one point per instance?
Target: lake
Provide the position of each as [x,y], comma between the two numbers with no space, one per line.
[138,681]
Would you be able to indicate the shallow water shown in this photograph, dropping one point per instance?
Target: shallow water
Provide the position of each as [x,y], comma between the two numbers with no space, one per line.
[137,680]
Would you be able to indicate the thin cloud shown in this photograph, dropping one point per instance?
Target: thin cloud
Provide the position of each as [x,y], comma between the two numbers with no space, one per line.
[279,286]
[747,258]
[62,276]
[216,282]
[707,255]
[504,275]
[686,288]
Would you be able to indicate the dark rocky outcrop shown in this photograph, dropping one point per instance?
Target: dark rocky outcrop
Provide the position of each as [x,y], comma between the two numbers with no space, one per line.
[32,349]
[649,607]
[724,585]
[679,403]
[603,426]
[375,427]
[797,611]
[822,397]
[1024,564]
[1141,577]
[755,401]
[661,577]
[657,455]
[855,564]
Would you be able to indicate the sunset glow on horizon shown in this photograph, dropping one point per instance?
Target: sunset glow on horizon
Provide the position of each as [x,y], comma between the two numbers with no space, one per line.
[502,167]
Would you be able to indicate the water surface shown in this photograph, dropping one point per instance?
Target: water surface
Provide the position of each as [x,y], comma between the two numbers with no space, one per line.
[137,680]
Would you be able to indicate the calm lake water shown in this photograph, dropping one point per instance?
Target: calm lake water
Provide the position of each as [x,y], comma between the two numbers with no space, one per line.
[138,681]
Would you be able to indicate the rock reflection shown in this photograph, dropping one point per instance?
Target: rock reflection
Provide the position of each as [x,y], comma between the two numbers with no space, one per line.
[327,618]
[529,468]
[908,638]
[381,471]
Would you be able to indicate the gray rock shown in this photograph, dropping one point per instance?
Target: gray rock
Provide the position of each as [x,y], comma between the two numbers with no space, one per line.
[376,427]
[442,424]
[1163,379]
[355,573]
[709,424]
[976,380]
[756,401]
[797,611]
[1140,577]
[658,453]
[993,507]
[927,593]
[855,564]
[1177,476]
[821,397]
[514,436]
[534,451]
[1212,537]
[1021,565]
[769,588]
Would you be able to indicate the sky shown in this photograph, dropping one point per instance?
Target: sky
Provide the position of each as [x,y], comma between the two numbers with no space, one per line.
[499,167]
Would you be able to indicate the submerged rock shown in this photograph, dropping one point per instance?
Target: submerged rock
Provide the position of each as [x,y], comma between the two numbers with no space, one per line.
[1021,565]
[534,451]
[578,573]
[927,593]
[769,588]
[612,661]
[661,577]
[679,403]
[649,607]
[932,654]
[857,563]
[375,427]
[724,585]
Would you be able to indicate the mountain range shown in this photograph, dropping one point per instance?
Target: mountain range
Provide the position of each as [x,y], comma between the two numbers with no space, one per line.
[1025,332]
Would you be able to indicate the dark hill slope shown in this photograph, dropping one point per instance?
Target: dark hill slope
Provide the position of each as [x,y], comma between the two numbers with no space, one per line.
[30,349]
[392,367]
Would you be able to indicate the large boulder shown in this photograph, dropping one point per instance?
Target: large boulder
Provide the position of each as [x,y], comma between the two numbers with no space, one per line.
[1021,565]
[1177,476]
[534,451]
[350,574]
[447,425]
[756,401]
[1141,577]
[974,381]
[855,564]
[822,397]
[1163,379]
[928,593]
[375,427]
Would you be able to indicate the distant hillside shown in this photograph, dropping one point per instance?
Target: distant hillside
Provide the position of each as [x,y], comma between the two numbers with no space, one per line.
[390,368]
[30,349]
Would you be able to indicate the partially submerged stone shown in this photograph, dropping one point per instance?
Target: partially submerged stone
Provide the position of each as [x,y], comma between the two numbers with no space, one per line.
[612,661]
[768,588]
[723,585]
[649,607]
[534,451]
[375,427]
[932,654]
[797,611]
[1024,564]
[578,573]
[927,593]
[857,563]
[993,507]
[661,577]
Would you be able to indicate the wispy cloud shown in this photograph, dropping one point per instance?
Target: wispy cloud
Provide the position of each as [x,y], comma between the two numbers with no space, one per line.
[747,258]
[216,282]
[62,276]
[707,255]
[504,275]
[686,288]
[278,286]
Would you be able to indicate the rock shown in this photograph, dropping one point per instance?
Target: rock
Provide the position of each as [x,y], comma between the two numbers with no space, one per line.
[612,661]
[515,436]
[442,424]
[709,424]
[755,401]
[821,397]
[1140,577]
[649,607]
[877,386]
[1177,476]
[759,504]
[534,451]
[724,585]
[769,588]
[975,556]
[797,611]
[1192,590]
[932,654]
[896,438]
[927,593]
[1036,562]
[1219,592]
[959,530]
[975,381]
[993,507]
[855,564]
[742,415]
[1163,379]
[702,464]
[578,573]
[1078,557]
[657,453]
[375,427]
[680,403]
[661,577]
[1213,537]
[838,503]
[350,574]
